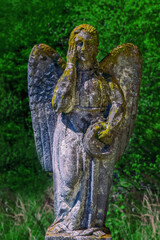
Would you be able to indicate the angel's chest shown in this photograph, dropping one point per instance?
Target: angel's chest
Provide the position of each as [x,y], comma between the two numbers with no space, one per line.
[90,91]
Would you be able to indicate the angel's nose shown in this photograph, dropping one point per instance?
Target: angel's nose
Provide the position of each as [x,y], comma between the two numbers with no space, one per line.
[83,47]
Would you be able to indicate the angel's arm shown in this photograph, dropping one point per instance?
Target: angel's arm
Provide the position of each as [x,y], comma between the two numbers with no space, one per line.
[64,94]
[106,130]
[116,113]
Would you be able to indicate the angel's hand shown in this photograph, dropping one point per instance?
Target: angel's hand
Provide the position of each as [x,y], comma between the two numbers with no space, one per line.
[106,136]
[90,142]
[71,55]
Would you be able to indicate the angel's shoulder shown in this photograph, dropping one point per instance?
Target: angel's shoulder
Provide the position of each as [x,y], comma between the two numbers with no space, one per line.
[114,86]
[106,77]
[110,81]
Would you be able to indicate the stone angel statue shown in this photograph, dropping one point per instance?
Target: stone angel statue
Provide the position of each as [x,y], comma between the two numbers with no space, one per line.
[84,132]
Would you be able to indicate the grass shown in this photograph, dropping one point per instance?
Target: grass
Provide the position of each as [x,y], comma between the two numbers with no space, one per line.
[132,215]
[26,218]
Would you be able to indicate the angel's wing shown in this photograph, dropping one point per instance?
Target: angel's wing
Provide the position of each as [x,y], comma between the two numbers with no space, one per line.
[124,63]
[44,69]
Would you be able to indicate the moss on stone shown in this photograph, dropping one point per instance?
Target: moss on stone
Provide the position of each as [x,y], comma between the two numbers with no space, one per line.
[127,49]
[54,96]
[45,50]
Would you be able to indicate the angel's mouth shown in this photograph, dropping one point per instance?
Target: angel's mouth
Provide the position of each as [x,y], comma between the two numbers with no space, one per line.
[83,58]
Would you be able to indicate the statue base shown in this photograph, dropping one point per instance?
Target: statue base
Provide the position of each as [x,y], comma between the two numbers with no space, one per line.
[70,237]
[77,235]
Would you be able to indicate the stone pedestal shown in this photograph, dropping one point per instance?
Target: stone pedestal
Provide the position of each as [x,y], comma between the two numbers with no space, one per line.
[70,237]
[77,235]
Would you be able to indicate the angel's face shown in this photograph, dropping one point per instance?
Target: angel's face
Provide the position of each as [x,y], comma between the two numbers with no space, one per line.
[86,50]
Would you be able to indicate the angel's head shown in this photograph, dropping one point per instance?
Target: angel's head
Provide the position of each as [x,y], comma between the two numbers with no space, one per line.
[86,39]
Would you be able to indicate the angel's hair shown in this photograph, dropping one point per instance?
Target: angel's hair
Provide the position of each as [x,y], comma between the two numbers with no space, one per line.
[89,29]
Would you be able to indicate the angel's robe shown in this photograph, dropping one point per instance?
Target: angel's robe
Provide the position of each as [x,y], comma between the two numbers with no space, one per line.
[81,182]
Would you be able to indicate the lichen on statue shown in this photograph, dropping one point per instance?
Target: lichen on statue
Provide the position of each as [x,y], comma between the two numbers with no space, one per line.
[87,132]
[81,121]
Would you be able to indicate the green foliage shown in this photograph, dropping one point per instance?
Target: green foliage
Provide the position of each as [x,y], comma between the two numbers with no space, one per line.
[133,214]
[26,216]
[29,24]
[141,161]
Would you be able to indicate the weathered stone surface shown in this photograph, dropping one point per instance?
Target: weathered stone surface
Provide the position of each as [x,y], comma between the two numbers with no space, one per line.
[44,69]
[64,236]
[87,234]
[87,132]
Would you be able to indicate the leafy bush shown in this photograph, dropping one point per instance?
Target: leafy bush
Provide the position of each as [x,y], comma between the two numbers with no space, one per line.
[26,23]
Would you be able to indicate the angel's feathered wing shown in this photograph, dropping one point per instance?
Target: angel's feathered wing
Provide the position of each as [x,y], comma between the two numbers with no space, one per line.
[124,63]
[44,69]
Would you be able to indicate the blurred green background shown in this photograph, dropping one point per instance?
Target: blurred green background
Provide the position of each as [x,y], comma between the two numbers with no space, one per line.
[25,23]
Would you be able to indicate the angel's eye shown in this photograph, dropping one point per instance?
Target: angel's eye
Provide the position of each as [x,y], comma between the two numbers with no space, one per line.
[80,44]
